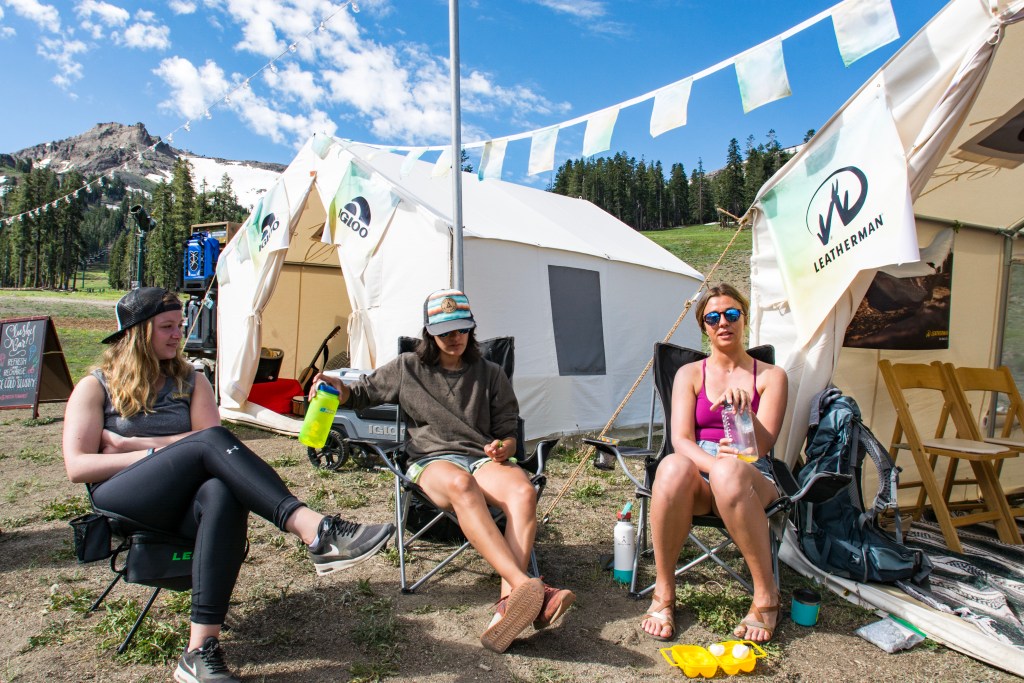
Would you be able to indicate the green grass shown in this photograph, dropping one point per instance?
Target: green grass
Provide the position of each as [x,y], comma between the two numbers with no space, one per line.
[65,509]
[701,245]
[588,493]
[82,348]
[377,634]
[78,600]
[160,638]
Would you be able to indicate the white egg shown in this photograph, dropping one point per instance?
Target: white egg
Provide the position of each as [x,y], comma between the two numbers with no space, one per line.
[740,651]
[717,649]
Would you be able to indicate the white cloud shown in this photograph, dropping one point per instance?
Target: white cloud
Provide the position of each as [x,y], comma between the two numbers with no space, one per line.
[583,9]
[400,92]
[294,84]
[182,6]
[192,89]
[147,37]
[62,52]
[96,17]
[145,16]
[5,31]
[46,16]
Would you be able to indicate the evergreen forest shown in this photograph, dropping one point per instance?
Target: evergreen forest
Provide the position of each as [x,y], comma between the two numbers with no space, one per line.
[640,194]
[49,248]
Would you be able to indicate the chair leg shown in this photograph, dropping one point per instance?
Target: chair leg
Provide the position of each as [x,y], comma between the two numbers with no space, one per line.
[995,500]
[138,622]
[402,501]
[640,546]
[106,591]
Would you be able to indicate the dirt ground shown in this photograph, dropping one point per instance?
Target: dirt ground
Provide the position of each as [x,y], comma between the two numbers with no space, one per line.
[287,624]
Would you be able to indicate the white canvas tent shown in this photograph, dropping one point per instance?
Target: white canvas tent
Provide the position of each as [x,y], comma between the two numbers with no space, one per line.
[584,295]
[956,97]
[953,83]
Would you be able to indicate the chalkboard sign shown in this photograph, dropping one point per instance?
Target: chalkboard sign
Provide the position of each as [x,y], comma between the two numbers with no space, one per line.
[32,365]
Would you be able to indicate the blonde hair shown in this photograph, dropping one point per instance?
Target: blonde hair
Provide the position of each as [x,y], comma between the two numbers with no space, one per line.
[132,371]
[723,289]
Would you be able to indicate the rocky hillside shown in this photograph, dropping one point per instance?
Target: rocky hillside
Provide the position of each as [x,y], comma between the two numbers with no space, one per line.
[138,157]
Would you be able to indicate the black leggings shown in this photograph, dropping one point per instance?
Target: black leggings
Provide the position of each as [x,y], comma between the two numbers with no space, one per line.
[201,487]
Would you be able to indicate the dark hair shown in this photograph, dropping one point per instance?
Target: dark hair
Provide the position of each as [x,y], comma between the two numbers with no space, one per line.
[722,289]
[429,352]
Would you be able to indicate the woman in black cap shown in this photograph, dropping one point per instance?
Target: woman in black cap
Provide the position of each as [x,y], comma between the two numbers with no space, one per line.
[462,418]
[143,432]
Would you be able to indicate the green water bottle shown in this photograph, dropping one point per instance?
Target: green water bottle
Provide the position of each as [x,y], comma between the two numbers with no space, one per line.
[319,417]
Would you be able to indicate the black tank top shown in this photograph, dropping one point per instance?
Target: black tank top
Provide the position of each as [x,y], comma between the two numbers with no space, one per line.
[172,411]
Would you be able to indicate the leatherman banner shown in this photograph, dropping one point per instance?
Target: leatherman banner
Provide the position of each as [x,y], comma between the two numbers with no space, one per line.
[844,208]
[358,216]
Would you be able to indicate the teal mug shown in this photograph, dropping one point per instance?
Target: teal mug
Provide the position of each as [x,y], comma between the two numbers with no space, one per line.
[806,605]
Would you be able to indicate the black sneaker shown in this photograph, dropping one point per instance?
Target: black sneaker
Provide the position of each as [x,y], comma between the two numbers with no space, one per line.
[204,664]
[342,543]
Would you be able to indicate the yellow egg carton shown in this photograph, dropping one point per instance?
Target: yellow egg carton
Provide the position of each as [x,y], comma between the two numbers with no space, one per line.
[695,660]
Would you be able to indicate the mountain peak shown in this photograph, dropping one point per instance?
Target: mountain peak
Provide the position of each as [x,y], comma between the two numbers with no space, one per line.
[137,156]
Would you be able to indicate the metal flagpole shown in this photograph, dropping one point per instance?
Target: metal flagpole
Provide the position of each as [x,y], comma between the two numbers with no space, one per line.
[453,30]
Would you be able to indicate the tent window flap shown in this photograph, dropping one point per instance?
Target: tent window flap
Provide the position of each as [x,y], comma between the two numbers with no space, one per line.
[577,321]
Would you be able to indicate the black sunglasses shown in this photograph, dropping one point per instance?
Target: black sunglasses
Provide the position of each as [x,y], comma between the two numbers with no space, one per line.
[731,315]
[448,334]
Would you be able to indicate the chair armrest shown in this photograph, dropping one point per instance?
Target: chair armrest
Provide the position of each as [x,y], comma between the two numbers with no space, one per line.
[618,453]
[387,451]
[538,460]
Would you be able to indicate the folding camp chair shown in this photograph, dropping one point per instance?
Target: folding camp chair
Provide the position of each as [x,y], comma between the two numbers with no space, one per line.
[901,378]
[668,358]
[166,563]
[410,498]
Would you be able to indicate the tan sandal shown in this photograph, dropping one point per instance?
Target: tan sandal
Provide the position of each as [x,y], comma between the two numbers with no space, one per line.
[755,619]
[513,613]
[665,614]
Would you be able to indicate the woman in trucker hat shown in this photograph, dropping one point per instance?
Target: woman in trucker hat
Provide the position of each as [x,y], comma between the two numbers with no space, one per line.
[462,415]
[143,431]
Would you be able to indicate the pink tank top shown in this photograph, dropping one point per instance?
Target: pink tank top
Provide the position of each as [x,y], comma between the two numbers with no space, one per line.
[708,423]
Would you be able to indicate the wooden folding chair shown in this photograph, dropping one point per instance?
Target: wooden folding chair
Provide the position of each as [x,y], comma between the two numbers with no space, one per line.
[903,377]
[990,383]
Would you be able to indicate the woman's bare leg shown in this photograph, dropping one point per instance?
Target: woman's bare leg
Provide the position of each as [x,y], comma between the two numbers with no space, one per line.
[508,488]
[678,494]
[741,494]
[453,488]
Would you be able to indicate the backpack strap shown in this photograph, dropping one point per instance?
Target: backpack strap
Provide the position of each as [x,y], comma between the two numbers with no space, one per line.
[888,478]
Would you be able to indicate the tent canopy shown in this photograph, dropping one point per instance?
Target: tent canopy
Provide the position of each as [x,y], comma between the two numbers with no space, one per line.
[585,295]
[955,97]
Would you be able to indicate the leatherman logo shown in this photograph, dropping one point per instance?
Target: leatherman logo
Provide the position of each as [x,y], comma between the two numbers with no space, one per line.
[842,195]
[231,450]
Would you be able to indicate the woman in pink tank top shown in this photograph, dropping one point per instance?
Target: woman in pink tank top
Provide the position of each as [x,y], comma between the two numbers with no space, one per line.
[701,473]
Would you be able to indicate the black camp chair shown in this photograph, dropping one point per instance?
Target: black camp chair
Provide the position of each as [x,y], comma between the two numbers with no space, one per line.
[668,358]
[144,556]
[414,511]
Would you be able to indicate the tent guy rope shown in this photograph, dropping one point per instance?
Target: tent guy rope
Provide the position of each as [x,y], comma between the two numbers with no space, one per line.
[589,451]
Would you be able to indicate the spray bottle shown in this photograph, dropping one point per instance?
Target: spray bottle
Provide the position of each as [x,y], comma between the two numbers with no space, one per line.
[625,545]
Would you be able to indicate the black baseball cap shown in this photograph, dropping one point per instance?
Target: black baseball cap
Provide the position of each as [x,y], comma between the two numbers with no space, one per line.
[139,305]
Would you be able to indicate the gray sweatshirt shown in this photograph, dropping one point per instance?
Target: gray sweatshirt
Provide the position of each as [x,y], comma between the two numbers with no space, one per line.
[445,412]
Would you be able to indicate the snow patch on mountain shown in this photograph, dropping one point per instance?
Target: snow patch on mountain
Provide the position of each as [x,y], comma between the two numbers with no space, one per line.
[248,182]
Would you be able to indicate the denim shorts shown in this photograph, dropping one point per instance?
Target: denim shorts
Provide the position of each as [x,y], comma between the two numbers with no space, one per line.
[470,463]
[761,464]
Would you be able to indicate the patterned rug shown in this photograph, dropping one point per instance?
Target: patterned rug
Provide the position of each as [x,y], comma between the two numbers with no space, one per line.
[984,585]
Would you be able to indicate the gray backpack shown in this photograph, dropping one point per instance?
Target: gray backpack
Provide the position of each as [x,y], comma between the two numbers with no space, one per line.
[838,535]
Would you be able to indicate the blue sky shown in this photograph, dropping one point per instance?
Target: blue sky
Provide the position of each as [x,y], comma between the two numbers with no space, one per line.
[381,75]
